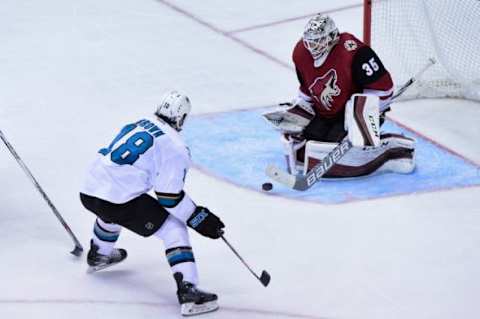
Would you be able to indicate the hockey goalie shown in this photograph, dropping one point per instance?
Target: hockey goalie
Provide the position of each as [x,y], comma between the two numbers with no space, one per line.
[344,92]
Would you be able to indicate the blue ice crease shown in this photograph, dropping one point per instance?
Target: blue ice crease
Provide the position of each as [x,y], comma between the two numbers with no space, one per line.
[237,146]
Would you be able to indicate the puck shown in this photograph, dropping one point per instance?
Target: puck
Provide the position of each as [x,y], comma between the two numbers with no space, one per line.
[267,186]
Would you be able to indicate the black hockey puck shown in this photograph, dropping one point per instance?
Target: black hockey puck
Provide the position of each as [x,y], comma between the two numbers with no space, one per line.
[267,187]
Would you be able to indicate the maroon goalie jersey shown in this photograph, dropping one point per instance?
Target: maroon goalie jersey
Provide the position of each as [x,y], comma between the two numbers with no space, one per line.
[351,67]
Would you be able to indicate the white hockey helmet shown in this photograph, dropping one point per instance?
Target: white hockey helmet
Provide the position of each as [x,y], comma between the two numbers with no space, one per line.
[320,36]
[173,109]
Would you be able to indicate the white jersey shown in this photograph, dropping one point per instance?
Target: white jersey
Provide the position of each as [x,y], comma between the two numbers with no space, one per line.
[145,155]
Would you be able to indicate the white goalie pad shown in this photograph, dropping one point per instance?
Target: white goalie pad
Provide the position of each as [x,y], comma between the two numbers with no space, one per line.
[362,120]
[315,152]
[291,119]
[290,148]
[358,157]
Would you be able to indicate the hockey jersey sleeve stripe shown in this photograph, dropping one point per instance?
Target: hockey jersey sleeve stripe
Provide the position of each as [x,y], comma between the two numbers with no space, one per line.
[179,205]
[169,200]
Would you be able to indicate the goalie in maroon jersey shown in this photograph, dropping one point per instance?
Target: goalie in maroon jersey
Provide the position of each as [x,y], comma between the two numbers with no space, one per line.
[332,69]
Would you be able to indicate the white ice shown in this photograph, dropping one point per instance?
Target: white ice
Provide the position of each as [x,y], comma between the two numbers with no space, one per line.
[73,72]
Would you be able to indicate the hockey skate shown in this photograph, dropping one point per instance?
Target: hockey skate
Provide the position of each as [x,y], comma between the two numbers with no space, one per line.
[193,301]
[98,261]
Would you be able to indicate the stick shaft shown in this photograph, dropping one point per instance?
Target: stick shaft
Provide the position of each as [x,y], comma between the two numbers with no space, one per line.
[239,257]
[413,79]
[40,190]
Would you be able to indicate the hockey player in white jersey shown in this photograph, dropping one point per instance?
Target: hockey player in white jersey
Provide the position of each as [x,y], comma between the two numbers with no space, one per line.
[146,155]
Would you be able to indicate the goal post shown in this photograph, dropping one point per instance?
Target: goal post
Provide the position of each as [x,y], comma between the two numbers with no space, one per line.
[406,33]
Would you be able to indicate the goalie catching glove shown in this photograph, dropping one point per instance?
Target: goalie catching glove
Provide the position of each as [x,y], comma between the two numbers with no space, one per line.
[206,223]
[291,117]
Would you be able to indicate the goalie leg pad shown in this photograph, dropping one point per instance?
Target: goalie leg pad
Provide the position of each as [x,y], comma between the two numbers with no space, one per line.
[399,166]
[316,152]
[397,140]
[292,147]
[396,153]
[362,120]
[403,162]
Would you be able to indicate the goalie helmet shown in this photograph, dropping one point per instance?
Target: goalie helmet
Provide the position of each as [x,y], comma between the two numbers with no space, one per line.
[319,37]
[173,109]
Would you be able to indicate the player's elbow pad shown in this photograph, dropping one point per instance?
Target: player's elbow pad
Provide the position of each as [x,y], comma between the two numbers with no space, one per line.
[179,205]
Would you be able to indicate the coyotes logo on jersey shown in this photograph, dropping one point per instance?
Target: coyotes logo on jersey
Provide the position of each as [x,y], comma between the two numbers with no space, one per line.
[325,88]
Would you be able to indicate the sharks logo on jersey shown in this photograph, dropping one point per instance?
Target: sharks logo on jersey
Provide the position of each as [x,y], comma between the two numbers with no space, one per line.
[325,88]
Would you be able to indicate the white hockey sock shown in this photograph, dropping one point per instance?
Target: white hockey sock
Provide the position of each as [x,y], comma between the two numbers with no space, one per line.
[105,236]
[174,234]
[181,260]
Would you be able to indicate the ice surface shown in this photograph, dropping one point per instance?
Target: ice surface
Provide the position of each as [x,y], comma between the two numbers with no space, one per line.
[239,145]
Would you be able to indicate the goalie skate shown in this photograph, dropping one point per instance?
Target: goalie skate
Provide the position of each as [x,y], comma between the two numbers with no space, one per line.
[194,301]
[97,261]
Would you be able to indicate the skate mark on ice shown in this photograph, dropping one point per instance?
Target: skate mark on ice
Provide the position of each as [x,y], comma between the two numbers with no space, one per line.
[303,17]
[226,34]
[236,310]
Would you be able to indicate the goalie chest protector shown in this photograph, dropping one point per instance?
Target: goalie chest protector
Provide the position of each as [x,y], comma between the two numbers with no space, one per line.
[344,72]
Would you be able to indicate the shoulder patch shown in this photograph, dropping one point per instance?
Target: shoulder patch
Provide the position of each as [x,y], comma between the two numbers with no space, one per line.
[350,45]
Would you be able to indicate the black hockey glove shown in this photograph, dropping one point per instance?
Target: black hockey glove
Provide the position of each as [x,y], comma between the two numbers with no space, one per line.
[206,223]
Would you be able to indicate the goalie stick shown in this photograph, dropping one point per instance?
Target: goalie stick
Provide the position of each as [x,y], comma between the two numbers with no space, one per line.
[78,249]
[303,182]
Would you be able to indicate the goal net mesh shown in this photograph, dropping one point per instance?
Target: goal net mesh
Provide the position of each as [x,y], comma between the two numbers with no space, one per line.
[406,33]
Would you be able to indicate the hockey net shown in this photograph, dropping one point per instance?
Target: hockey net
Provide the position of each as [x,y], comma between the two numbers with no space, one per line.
[406,33]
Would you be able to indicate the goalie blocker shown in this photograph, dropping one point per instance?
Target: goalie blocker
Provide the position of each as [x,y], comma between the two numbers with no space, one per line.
[371,151]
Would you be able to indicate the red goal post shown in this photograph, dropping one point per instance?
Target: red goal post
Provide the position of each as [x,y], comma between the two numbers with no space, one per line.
[406,33]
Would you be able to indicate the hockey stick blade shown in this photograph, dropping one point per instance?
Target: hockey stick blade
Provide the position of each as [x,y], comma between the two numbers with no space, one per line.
[77,251]
[265,278]
[297,182]
[280,175]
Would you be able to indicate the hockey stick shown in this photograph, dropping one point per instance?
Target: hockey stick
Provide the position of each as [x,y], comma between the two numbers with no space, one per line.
[77,251]
[413,79]
[264,278]
[304,182]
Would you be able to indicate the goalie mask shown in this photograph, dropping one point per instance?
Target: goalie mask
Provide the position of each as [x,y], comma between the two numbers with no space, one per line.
[173,109]
[319,37]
